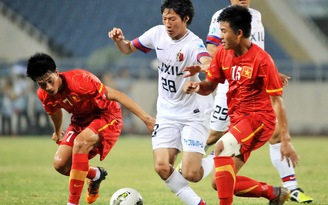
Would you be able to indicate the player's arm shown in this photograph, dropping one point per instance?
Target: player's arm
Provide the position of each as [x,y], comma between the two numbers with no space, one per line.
[202,67]
[204,87]
[287,149]
[57,120]
[133,107]
[125,46]
[284,79]
[211,48]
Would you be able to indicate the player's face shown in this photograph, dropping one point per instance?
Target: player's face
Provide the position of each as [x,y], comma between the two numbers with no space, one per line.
[50,82]
[176,27]
[244,3]
[229,39]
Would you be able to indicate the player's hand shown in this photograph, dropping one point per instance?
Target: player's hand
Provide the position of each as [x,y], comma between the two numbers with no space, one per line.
[288,151]
[57,137]
[193,70]
[116,34]
[190,87]
[284,79]
[150,123]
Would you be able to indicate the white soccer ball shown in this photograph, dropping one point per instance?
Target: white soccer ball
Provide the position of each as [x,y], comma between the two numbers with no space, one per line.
[126,196]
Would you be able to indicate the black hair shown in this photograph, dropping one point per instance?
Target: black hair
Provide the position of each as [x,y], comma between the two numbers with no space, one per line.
[183,8]
[40,64]
[238,17]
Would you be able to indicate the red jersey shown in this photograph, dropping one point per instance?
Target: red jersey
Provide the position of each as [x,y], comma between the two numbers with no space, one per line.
[82,95]
[252,77]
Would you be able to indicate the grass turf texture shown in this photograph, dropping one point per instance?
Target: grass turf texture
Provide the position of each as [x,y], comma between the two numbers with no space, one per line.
[28,177]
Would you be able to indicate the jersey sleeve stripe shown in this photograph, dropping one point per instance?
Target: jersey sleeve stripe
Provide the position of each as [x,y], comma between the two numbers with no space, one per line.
[274,90]
[136,43]
[213,40]
[200,55]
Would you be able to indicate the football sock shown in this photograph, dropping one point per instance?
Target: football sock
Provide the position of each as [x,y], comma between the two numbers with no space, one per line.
[287,174]
[179,185]
[93,173]
[247,187]
[225,179]
[207,164]
[80,166]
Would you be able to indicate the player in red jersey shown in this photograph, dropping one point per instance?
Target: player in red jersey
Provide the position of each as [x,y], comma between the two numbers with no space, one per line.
[254,101]
[96,121]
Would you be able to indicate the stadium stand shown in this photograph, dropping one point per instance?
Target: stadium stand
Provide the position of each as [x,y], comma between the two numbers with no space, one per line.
[76,28]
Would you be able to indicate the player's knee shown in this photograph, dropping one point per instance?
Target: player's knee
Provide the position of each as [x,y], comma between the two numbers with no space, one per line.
[275,138]
[192,176]
[227,146]
[61,167]
[163,170]
[213,184]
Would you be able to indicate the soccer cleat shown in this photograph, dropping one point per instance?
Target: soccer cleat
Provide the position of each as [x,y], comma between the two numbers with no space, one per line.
[298,195]
[93,189]
[281,198]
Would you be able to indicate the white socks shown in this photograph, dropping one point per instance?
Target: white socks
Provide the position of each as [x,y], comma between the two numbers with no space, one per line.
[287,174]
[179,185]
[207,164]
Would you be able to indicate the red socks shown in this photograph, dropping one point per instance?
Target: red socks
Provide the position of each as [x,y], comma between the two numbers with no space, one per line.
[225,179]
[228,184]
[79,171]
[247,187]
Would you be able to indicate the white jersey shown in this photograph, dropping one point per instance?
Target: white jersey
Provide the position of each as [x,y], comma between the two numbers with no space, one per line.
[173,56]
[219,117]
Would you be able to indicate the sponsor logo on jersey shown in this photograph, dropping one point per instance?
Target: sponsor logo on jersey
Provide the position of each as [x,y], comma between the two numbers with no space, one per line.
[193,143]
[169,69]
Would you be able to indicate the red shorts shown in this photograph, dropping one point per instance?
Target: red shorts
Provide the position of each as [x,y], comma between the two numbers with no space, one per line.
[252,132]
[108,126]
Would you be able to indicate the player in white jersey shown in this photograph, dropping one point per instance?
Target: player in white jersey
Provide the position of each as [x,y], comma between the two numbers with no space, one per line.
[219,118]
[182,121]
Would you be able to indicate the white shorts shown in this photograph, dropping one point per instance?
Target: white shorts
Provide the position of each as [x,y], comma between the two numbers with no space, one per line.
[219,117]
[187,136]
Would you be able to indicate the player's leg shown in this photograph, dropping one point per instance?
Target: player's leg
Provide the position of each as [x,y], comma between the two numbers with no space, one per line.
[166,144]
[287,173]
[219,121]
[194,166]
[83,143]
[109,136]
[225,171]
[63,159]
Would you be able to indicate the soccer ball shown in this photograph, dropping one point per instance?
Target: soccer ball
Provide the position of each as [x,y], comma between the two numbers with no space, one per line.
[126,196]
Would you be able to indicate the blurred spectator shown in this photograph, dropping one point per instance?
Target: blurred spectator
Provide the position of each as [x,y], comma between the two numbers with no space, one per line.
[21,88]
[41,121]
[123,82]
[6,108]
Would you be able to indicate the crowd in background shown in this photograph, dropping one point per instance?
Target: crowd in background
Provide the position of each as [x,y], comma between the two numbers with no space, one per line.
[22,113]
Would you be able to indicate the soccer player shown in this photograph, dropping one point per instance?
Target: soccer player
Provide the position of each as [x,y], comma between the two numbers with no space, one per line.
[254,101]
[182,121]
[219,118]
[95,126]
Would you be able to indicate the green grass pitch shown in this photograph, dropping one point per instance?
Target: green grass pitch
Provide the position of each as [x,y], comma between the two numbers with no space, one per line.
[28,177]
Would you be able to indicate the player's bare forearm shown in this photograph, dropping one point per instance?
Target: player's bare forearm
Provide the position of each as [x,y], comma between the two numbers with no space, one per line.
[57,120]
[123,45]
[203,88]
[284,79]
[287,149]
[133,107]
[211,48]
